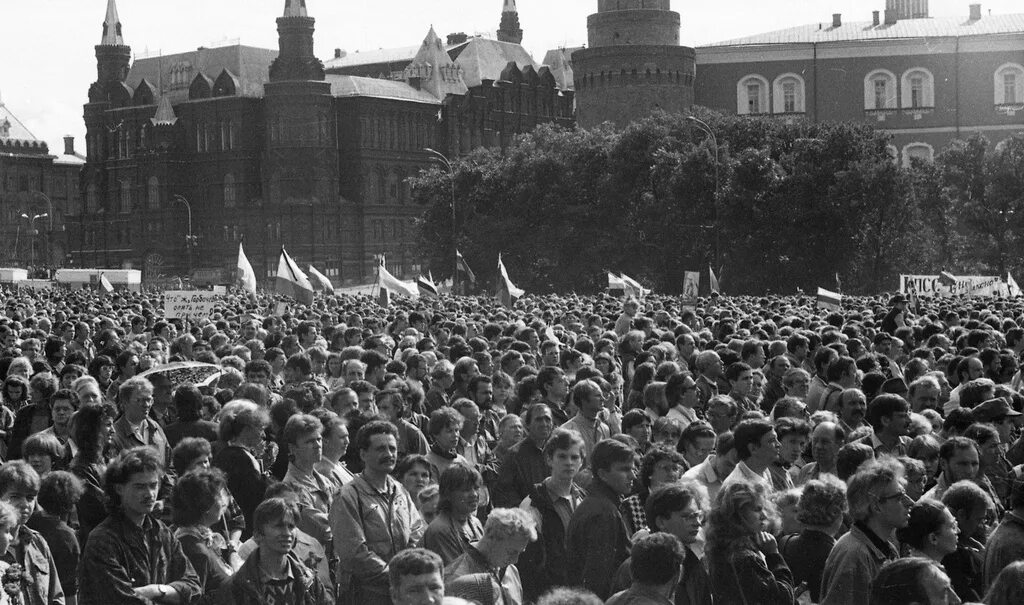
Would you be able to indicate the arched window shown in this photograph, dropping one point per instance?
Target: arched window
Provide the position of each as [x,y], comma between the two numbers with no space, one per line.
[918,87]
[788,94]
[126,197]
[752,95]
[880,90]
[229,190]
[1009,84]
[917,151]
[153,193]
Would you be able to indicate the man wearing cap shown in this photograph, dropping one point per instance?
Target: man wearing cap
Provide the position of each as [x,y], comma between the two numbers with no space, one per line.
[896,317]
[997,413]
[889,416]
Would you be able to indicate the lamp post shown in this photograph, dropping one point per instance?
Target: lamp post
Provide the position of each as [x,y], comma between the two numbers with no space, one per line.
[31,235]
[49,230]
[703,126]
[442,159]
[189,239]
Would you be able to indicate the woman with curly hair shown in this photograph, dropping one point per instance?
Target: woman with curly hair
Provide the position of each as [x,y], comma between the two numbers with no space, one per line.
[93,428]
[660,466]
[200,499]
[820,510]
[743,558]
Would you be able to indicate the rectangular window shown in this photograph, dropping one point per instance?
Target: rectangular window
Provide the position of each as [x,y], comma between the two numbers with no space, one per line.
[1010,88]
[753,98]
[916,92]
[789,97]
[881,94]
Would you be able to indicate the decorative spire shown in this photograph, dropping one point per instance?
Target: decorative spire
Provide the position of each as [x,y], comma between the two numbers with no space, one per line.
[434,71]
[112,27]
[164,113]
[295,8]
[509,30]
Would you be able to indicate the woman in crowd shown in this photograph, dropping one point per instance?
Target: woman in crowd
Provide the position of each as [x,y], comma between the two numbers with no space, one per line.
[413,472]
[335,444]
[820,510]
[743,557]
[931,531]
[660,466]
[59,493]
[200,499]
[456,524]
[242,428]
[94,427]
[970,506]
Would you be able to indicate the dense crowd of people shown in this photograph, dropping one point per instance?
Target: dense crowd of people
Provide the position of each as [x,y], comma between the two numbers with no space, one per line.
[567,450]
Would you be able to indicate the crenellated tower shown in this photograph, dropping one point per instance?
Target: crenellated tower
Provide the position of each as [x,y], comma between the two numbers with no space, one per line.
[509,30]
[633,64]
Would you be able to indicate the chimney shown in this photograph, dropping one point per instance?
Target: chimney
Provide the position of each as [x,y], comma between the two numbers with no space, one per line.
[457,38]
[338,53]
[837,19]
[975,12]
[874,18]
[890,16]
[69,145]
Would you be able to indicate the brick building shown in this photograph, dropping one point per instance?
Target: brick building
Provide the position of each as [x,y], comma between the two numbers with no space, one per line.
[633,64]
[924,80]
[34,183]
[273,147]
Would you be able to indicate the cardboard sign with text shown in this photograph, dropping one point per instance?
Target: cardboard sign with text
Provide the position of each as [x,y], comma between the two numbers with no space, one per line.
[189,304]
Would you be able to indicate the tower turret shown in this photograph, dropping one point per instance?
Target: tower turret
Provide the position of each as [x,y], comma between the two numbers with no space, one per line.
[633,64]
[509,30]
[113,56]
[296,59]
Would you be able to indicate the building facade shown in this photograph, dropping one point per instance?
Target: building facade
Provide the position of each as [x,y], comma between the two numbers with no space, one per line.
[191,153]
[633,64]
[924,80]
[36,188]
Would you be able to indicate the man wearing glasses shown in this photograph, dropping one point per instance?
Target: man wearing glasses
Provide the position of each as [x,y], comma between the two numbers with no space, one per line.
[879,505]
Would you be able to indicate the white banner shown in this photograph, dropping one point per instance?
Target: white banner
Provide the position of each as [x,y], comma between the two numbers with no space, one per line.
[966,285]
[189,304]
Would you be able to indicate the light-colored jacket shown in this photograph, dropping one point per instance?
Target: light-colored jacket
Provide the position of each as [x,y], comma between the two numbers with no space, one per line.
[850,569]
[369,528]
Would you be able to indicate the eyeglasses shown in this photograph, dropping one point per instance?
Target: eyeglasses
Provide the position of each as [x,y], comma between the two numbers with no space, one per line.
[696,517]
[900,495]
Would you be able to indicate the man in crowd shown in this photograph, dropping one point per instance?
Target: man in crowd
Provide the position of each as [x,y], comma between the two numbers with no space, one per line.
[525,465]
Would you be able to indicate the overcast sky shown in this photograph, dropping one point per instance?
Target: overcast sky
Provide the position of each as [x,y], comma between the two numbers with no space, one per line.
[47,59]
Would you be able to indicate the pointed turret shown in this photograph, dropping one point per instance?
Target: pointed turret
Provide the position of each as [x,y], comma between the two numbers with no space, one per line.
[164,113]
[434,71]
[509,30]
[296,60]
[112,27]
[295,8]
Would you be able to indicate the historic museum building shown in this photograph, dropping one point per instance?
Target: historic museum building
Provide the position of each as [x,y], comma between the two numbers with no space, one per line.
[191,153]
[926,80]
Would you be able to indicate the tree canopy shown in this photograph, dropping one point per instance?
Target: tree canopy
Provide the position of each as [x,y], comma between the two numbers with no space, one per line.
[774,205]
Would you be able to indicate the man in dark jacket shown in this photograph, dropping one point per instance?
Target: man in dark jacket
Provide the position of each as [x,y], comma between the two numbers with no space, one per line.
[552,502]
[132,557]
[597,542]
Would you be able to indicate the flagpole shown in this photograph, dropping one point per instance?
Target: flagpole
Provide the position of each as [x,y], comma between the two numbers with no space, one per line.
[443,159]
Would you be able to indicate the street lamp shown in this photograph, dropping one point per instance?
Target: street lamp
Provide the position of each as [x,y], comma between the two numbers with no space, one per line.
[703,126]
[32,232]
[442,159]
[189,239]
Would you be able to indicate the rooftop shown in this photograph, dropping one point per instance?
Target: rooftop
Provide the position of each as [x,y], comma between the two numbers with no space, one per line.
[484,59]
[865,31]
[174,73]
[402,55]
[12,128]
[355,86]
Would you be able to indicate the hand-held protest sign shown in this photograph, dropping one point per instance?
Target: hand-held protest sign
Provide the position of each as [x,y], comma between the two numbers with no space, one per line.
[189,304]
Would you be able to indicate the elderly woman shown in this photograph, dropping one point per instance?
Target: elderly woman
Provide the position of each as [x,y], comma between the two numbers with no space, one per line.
[242,427]
[456,524]
[492,559]
[743,558]
[820,510]
[200,499]
[335,444]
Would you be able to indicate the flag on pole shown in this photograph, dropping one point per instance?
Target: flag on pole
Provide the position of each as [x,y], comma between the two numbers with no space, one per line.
[839,283]
[713,280]
[387,281]
[320,281]
[105,284]
[507,291]
[615,282]
[246,275]
[947,279]
[829,300]
[291,281]
[633,287]
[426,286]
[1011,285]
[463,267]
